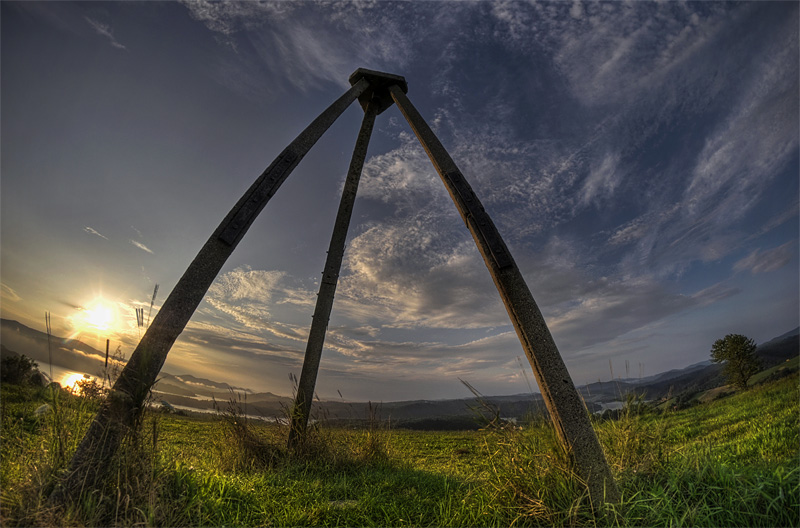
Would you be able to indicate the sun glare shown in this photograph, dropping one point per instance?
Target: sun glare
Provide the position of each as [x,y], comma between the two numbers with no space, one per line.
[70,379]
[97,316]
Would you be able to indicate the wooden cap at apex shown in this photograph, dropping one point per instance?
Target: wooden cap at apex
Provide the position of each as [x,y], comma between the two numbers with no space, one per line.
[379,83]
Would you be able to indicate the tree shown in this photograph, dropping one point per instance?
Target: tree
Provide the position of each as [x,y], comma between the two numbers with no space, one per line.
[738,354]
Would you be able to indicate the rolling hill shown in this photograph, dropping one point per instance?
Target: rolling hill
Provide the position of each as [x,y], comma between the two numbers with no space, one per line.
[191,393]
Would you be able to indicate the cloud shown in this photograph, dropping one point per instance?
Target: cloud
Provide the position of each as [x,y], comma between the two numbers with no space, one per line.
[609,53]
[527,186]
[141,246]
[639,70]
[602,180]
[641,227]
[751,146]
[403,177]
[765,261]
[739,161]
[241,343]
[245,295]
[7,293]
[613,309]
[613,154]
[698,201]
[248,296]
[714,293]
[424,359]
[228,17]
[92,231]
[418,271]
[244,299]
[300,44]
[581,310]
[245,283]
[104,30]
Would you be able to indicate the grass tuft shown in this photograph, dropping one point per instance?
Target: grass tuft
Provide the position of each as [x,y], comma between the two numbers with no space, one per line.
[533,477]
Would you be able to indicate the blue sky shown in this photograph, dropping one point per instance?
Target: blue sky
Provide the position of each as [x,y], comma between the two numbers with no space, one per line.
[640,160]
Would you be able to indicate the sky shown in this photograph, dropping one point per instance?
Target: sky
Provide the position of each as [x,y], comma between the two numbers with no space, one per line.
[640,160]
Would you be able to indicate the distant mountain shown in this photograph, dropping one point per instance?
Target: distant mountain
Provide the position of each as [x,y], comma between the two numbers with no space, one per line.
[203,382]
[674,373]
[708,375]
[66,353]
[190,392]
[76,355]
[778,350]
[5,352]
[186,391]
[790,333]
[694,380]
[188,385]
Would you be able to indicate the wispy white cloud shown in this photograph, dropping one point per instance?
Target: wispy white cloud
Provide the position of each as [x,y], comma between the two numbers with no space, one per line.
[241,342]
[245,295]
[714,293]
[602,180]
[7,293]
[247,284]
[229,17]
[248,296]
[418,272]
[642,226]
[610,52]
[612,310]
[140,246]
[106,31]
[493,356]
[765,261]
[300,44]
[752,145]
[403,178]
[749,148]
[93,231]
[648,65]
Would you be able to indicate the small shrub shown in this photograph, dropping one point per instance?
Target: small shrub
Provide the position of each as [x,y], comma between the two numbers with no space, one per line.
[17,369]
[89,388]
[685,400]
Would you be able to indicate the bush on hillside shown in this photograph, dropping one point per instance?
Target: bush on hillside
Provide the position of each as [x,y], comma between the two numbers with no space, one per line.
[17,369]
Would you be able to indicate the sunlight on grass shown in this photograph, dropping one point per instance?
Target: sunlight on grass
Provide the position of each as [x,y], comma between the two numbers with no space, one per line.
[733,461]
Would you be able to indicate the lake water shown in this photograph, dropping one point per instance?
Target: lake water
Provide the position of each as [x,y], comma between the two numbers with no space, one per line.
[249,416]
[64,376]
[67,378]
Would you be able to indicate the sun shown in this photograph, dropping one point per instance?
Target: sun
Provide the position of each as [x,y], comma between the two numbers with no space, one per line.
[99,315]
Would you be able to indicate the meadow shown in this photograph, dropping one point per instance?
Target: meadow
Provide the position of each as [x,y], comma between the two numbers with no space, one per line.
[734,461]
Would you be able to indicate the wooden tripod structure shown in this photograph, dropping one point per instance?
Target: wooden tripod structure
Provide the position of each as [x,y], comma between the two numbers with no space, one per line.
[375,91]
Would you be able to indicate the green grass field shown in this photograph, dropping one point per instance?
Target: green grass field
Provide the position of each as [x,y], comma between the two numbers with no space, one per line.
[731,462]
